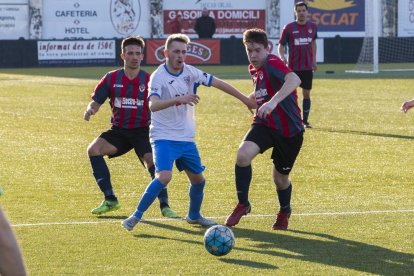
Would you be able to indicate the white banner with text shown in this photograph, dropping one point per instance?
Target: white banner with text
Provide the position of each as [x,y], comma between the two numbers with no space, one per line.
[14,20]
[76,52]
[72,19]
[406,18]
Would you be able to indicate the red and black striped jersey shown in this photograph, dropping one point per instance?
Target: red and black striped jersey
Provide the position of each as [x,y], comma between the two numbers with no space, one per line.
[299,39]
[127,98]
[286,118]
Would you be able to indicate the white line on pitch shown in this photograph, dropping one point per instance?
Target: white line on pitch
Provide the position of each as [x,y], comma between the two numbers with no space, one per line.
[249,216]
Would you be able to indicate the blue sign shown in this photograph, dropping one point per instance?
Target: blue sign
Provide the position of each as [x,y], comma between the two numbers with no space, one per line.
[337,15]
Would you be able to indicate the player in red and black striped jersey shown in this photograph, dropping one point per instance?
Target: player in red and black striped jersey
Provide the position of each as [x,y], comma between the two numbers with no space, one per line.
[300,37]
[277,124]
[127,91]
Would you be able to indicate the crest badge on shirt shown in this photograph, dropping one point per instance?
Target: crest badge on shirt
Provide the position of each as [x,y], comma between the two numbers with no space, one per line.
[187,80]
[261,75]
[142,88]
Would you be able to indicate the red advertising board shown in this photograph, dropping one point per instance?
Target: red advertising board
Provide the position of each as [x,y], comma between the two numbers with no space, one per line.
[202,51]
[228,22]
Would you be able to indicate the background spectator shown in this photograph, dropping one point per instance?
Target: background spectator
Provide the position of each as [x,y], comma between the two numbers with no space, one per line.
[176,24]
[205,26]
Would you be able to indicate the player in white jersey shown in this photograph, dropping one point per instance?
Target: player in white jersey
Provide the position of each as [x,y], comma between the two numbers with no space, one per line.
[176,123]
[172,98]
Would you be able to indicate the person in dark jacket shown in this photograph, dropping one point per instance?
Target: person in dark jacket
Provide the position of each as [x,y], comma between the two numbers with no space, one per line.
[205,26]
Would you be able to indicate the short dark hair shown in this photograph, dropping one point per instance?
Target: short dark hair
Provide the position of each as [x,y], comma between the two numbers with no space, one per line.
[301,3]
[255,36]
[132,40]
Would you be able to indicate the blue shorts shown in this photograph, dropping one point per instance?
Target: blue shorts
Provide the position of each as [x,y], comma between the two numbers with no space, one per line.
[185,155]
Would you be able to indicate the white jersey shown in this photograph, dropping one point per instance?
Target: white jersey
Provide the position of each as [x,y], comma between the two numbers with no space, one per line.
[176,123]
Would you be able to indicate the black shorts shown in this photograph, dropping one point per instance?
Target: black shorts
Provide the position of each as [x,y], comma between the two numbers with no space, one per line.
[306,77]
[285,150]
[126,139]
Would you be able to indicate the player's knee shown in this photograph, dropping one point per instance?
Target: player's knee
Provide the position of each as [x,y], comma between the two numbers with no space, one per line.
[243,158]
[306,93]
[164,177]
[147,158]
[93,150]
[282,181]
[197,179]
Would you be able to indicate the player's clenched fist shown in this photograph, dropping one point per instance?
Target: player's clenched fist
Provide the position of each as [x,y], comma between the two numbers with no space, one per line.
[88,113]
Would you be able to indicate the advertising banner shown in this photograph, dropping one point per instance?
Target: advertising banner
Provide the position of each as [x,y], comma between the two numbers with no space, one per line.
[71,19]
[406,18]
[198,51]
[232,17]
[338,17]
[87,52]
[14,20]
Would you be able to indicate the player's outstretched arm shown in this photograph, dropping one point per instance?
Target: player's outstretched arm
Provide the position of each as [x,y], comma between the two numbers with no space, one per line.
[156,104]
[91,109]
[229,89]
[11,261]
[407,105]
[292,81]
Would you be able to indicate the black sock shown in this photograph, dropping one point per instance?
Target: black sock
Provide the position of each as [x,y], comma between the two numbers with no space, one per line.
[163,195]
[111,198]
[163,198]
[243,179]
[306,105]
[151,171]
[102,176]
[284,199]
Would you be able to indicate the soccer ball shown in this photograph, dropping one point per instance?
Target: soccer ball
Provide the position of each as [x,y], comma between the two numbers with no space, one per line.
[219,240]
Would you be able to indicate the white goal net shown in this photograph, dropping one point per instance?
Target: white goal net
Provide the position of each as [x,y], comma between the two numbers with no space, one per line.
[382,49]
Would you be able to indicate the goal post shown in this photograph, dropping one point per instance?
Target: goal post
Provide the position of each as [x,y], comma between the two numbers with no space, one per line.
[368,58]
[381,49]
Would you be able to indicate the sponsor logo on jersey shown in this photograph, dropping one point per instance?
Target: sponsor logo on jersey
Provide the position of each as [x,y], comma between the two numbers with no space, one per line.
[302,41]
[122,102]
[118,85]
[262,92]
